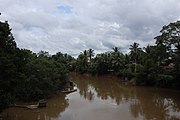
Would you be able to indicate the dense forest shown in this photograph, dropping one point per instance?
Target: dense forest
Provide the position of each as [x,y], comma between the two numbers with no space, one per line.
[27,76]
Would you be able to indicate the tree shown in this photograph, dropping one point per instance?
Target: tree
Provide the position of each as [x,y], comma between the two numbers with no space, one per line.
[43,54]
[135,53]
[8,70]
[82,62]
[116,49]
[117,60]
[7,42]
[170,36]
[66,59]
[102,63]
[170,40]
[90,55]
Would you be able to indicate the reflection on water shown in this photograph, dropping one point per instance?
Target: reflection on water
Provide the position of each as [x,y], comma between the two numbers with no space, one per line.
[106,98]
[110,97]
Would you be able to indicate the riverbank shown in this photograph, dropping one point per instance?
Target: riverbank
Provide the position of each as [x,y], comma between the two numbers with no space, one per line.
[134,81]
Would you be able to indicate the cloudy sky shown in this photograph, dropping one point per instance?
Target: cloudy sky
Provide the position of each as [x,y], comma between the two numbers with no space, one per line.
[71,26]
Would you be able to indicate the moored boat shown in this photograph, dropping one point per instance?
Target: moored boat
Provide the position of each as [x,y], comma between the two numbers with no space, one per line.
[40,104]
[70,87]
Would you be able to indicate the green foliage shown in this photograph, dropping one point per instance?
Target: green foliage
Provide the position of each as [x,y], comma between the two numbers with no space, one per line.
[127,73]
[141,78]
[7,42]
[101,63]
[65,59]
[25,76]
[170,36]
[42,77]
[164,80]
[170,40]
[82,63]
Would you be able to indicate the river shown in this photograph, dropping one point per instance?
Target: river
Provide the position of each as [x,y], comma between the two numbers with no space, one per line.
[105,98]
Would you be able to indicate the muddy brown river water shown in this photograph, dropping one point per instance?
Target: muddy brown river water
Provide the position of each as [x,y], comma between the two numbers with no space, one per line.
[105,98]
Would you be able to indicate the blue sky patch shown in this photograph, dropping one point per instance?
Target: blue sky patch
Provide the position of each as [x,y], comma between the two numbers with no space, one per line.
[65,9]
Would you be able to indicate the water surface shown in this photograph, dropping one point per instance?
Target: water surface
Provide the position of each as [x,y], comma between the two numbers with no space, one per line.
[105,98]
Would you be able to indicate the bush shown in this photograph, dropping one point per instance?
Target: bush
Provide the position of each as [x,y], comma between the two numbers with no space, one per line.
[141,78]
[165,80]
[127,73]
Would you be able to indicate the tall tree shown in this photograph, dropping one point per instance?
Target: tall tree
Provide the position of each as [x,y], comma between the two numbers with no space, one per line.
[117,60]
[8,70]
[7,42]
[170,36]
[82,62]
[90,55]
[135,53]
[170,39]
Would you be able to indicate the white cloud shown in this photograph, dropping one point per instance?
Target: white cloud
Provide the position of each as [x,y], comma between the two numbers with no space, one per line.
[74,25]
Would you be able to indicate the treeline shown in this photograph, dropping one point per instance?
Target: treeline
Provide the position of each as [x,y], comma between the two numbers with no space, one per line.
[157,65]
[26,76]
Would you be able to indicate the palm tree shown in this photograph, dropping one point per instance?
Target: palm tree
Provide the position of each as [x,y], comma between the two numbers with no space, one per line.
[135,53]
[117,60]
[82,62]
[116,49]
[85,53]
[90,54]
[85,56]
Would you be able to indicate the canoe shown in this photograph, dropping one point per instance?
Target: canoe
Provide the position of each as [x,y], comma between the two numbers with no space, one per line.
[71,87]
[69,90]
[32,106]
[40,104]
[27,106]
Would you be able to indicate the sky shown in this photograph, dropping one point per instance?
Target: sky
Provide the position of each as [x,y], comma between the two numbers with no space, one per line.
[71,26]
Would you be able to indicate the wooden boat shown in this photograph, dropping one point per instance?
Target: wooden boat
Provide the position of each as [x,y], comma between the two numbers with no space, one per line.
[70,87]
[27,106]
[32,106]
[69,90]
[40,104]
